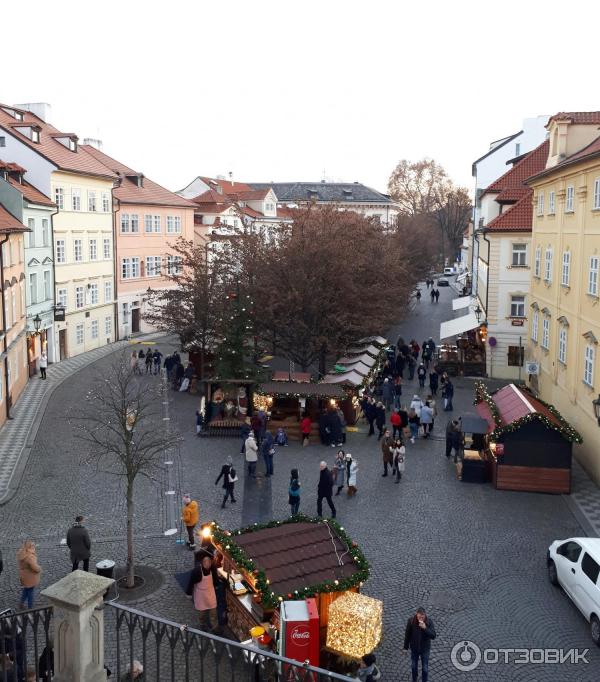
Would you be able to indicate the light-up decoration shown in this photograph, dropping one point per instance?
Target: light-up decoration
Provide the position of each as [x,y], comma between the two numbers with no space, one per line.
[355,623]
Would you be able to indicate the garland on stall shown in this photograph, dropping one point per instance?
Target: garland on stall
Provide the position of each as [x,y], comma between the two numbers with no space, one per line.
[226,539]
[564,428]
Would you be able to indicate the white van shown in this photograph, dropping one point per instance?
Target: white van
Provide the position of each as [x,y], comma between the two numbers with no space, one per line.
[449,271]
[574,564]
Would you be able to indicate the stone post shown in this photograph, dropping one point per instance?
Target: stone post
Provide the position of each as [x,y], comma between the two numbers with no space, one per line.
[78,625]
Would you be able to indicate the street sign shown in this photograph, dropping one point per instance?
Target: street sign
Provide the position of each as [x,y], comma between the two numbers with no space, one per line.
[532,367]
[59,313]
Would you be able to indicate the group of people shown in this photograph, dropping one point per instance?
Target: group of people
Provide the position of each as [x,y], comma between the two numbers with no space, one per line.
[146,363]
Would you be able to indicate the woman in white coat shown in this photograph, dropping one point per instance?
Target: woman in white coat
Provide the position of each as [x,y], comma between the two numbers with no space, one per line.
[352,471]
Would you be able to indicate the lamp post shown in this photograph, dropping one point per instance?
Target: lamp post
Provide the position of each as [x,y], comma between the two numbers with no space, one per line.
[596,404]
[37,323]
[478,312]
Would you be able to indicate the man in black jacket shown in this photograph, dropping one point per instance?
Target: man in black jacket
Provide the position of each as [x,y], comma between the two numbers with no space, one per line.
[324,490]
[78,541]
[419,633]
[227,474]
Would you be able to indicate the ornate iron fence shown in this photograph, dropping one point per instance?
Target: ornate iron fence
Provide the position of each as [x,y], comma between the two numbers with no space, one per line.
[172,652]
[26,645]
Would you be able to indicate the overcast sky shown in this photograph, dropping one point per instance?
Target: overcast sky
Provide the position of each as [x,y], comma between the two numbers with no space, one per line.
[292,90]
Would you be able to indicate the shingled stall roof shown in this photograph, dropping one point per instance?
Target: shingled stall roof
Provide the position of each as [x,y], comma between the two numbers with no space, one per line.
[284,388]
[298,555]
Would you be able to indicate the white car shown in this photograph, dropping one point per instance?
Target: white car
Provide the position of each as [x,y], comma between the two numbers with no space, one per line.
[449,271]
[574,564]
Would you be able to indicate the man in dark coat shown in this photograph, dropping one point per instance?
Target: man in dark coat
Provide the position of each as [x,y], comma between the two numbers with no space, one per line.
[267,449]
[227,473]
[380,419]
[419,633]
[370,415]
[386,450]
[78,541]
[434,379]
[448,394]
[325,490]
[334,424]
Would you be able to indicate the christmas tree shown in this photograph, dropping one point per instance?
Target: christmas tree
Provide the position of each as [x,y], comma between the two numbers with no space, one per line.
[234,352]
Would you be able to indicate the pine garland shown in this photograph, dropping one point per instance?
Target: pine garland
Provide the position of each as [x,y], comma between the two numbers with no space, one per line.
[564,428]
[226,539]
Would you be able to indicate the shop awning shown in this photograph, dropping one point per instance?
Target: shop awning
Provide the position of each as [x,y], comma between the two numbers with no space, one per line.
[459,325]
[379,340]
[351,378]
[463,277]
[371,350]
[365,359]
[462,302]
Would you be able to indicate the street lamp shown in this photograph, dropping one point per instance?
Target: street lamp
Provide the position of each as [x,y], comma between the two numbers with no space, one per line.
[478,312]
[37,323]
[596,404]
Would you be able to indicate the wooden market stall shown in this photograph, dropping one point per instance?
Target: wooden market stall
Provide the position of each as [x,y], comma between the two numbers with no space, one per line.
[462,348]
[530,443]
[473,466]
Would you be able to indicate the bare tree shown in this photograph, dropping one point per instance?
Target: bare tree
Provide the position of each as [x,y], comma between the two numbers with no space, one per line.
[418,186]
[121,422]
[452,216]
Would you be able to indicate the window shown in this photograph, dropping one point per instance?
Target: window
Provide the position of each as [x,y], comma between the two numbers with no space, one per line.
[76,199]
[2,144]
[545,333]
[94,294]
[79,334]
[538,261]
[271,207]
[173,224]
[135,223]
[156,223]
[517,149]
[562,345]
[93,249]
[13,301]
[517,306]
[147,223]
[79,297]
[534,326]
[153,264]
[173,265]
[33,288]
[566,268]
[516,356]
[45,232]
[91,201]
[569,202]
[540,204]
[22,292]
[35,135]
[61,297]
[31,235]
[548,266]
[108,292]
[593,276]
[551,203]
[519,255]
[94,329]
[7,309]
[130,268]
[590,567]
[77,250]
[106,202]
[596,193]
[124,222]
[570,550]
[59,197]
[125,312]
[60,251]
[107,325]
[106,249]
[47,291]
[588,365]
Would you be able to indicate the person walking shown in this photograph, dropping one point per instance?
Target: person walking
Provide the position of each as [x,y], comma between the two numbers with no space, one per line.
[190,515]
[434,379]
[78,541]
[386,450]
[43,364]
[305,427]
[141,361]
[148,361]
[380,419]
[412,364]
[418,635]
[416,404]
[199,422]
[447,395]
[339,471]
[432,295]
[450,427]
[29,573]
[168,365]
[267,449]
[437,295]
[179,373]
[342,418]
[387,393]
[132,362]
[433,404]
[324,490]
[426,417]
[399,452]
[421,374]
[352,471]
[156,360]
[456,439]
[201,586]
[229,478]
[370,415]
[397,392]
[251,454]
[396,422]
[413,424]
[294,492]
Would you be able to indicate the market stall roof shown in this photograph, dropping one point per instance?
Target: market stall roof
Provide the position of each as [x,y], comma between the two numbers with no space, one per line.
[286,388]
[371,350]
[297,555]
[359,367]
[472,423]
[462,302]
[458,325]
[378,340]
[303,377]
[352,378]
[365,359]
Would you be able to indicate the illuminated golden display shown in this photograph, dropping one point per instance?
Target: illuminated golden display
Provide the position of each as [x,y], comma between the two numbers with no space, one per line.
[355,623]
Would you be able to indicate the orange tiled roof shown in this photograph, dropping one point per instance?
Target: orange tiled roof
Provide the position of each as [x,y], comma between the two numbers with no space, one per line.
[49,147]
[128,192]
[512,194]
[211,196]
[8,223]
[531,164]
[227,186]
[589,151]
[589,117]
[212,207]
[9,166]
[518,218]
[30,193]
[253,194]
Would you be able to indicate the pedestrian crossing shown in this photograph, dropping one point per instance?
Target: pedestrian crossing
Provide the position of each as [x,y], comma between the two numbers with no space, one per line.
[19,432]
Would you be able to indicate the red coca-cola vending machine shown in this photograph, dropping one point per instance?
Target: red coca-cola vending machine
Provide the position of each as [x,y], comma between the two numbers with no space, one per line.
[299,635]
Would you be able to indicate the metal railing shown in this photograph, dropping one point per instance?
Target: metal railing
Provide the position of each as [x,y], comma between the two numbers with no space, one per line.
[26,645]
[169,651]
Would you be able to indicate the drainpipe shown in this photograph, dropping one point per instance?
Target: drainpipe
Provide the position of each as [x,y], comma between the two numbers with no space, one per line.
[51,216]
[6,397]
[116,184]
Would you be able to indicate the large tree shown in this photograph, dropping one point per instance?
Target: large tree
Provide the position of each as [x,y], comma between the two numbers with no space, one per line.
[418,186]
[452,216]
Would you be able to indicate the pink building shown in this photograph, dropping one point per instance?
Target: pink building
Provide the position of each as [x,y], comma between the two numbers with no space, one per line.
[148,220]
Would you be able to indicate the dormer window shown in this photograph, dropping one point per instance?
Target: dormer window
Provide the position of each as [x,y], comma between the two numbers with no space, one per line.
[35,135]
[72,144]
[136,178]
[17,115]
[68,141]
[30,131]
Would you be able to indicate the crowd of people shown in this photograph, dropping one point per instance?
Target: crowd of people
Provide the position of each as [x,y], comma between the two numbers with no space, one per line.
[151,362]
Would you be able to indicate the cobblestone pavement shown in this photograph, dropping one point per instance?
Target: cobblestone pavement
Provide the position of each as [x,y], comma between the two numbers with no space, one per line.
[474,557]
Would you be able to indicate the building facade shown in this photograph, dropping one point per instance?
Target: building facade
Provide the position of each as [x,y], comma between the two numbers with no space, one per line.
[565,291]
[148,220]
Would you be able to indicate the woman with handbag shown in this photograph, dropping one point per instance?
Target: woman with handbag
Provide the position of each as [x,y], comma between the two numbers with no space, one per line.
[229,477]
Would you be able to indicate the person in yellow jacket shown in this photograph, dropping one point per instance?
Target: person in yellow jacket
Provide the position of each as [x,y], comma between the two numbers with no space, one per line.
[190,515]
[29,572]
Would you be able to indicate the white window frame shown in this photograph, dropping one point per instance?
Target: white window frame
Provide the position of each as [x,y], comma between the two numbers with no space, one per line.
[540,203]
[8,322]
[569,203]
[551,203]
[108,325]
[91,197]
[33,288]
[148,223]
[78,250]
[521,255]
[106,202]
[93,248]
[94,329]
[153,266]
[589,358]
[61,251]
[135,267]
[125,268]
[125,227]
[94,295]
[135,222]
[45,232]
[59,197]
[538,262]
[106,248]
[545,342]
[562,345]
[517,305]
[593,276]
[47,285]
[79,298]
[566,269]
[535,321]
[79,334]
[62,297]
[596,204]
[108,295]
[76,199]
[31,235]
[548,265]
[156,223]
[174,265]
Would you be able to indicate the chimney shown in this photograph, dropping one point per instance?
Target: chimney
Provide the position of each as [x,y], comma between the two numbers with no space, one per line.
[231,178]
[93,142]
[40,109]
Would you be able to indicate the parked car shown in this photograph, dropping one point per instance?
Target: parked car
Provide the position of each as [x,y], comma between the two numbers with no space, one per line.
[443,282]
[574,564]
[449,271]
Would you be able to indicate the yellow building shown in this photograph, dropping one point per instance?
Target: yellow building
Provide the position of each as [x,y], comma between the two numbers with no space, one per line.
[564,326]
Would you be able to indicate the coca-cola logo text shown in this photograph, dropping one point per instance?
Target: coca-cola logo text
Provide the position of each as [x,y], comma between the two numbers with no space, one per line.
[301,635]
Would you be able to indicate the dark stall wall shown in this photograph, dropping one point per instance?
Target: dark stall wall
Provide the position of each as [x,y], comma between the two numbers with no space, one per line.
[535,445]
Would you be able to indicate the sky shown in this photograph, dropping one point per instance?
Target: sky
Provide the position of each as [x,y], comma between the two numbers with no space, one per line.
[294,90]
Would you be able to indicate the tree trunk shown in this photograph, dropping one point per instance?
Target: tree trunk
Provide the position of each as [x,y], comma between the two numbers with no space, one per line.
[130,576]
[322,362]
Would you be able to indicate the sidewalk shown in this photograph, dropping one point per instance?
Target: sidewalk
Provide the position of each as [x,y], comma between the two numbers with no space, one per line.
[18,434]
